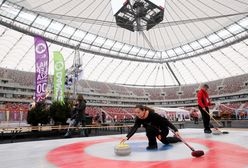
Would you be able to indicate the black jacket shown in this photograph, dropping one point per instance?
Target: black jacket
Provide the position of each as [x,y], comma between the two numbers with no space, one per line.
[154,120]
[79,110]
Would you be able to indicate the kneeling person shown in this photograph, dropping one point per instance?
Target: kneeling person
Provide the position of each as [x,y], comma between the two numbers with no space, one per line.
[156,127]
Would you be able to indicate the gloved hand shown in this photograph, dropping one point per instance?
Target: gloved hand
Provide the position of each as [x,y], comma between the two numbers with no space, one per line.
[123,140]
[177,134]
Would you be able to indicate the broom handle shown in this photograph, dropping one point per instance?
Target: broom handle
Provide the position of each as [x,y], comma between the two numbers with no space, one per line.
[178,136]
[213,118]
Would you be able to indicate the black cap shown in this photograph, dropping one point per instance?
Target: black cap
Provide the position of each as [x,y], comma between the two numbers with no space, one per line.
[206,86]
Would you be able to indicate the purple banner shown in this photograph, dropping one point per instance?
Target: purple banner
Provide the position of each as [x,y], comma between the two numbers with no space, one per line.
[41,68]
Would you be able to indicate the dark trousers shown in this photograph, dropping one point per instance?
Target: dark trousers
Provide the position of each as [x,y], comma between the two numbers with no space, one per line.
[152,133]
[205,118]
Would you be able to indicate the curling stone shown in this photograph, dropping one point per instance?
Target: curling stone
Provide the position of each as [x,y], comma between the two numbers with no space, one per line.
[122,149]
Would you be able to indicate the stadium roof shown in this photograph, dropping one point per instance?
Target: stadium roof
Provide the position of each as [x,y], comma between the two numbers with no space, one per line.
[198,40]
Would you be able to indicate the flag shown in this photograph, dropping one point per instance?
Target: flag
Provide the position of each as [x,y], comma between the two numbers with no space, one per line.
[59,77]
[41,68]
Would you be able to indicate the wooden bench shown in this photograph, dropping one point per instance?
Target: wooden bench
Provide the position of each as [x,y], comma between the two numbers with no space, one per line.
[14,132]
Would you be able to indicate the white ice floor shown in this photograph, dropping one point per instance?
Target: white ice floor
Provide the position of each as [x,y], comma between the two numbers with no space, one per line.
[231,149]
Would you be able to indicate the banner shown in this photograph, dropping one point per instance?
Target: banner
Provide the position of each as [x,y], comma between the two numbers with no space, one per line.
[59,76]
[41,68]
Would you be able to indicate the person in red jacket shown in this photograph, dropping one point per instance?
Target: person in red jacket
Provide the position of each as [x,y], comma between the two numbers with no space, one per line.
[203,104]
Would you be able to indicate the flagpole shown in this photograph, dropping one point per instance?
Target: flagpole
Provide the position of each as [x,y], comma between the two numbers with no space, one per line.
[76,66]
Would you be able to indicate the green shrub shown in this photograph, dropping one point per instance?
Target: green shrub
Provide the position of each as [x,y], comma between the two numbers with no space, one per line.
[60,112]
[38,114]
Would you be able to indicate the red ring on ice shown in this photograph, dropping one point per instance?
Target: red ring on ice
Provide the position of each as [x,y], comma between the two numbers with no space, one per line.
[220,154]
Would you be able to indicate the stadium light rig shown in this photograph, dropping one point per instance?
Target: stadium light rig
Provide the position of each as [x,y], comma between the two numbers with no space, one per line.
[138,15]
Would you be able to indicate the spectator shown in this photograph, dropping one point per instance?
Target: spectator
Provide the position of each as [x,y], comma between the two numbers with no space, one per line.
[195,117]
[103,117]
[78,114]
[97,119]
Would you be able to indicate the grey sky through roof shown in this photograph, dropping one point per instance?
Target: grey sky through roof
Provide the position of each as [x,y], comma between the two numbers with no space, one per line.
[193,35]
